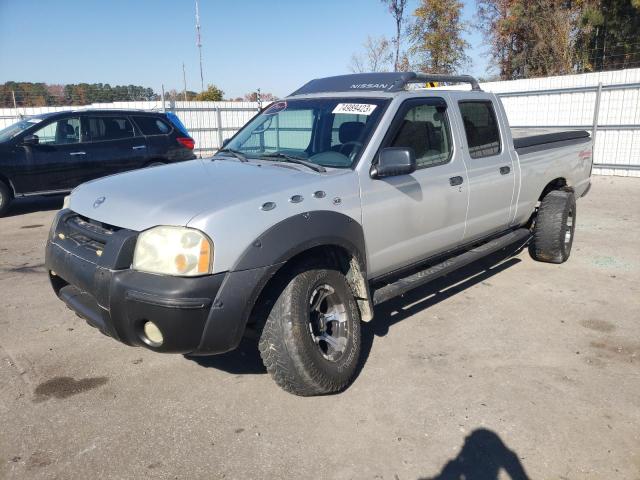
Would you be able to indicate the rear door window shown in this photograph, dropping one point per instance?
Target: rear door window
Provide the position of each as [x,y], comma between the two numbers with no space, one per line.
[105,128]
[152,125]
[481,128]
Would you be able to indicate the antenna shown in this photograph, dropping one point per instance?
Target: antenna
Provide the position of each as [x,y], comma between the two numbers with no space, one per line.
[184,80]
[199,44]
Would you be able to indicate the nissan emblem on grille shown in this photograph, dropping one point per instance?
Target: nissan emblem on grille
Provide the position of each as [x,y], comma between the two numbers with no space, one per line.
[99,201]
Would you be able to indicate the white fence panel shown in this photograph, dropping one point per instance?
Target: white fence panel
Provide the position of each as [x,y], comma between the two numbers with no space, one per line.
[570,102]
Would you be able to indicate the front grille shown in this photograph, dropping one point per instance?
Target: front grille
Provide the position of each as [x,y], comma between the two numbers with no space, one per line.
[89,233]
[99,243]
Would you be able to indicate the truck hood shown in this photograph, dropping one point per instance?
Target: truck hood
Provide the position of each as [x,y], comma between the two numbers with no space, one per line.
[174,194]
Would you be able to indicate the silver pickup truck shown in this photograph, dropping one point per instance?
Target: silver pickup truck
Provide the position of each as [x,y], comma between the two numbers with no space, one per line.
[351,191]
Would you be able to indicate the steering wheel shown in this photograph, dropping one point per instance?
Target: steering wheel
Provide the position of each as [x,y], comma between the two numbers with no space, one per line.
[354,148]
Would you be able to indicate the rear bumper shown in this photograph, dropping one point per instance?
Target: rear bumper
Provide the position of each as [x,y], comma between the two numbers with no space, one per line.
[201,315]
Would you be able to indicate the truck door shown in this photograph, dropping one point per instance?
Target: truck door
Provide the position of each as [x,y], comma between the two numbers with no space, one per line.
[408,218]
[490,169]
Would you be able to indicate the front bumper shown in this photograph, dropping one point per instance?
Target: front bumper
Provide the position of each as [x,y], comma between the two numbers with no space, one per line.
[196,315]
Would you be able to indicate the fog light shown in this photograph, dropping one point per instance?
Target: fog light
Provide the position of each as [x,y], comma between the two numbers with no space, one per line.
[153,334]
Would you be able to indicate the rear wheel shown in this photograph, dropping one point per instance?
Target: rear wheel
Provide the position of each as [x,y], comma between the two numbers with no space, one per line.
[554,227]
[5,198]
[310,343]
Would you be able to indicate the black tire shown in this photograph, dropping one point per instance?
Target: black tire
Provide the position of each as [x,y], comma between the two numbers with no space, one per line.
[291,344]
[5,198]
[554,227]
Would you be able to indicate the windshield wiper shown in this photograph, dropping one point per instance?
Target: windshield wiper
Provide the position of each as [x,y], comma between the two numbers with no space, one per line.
[234,153]
[294,159]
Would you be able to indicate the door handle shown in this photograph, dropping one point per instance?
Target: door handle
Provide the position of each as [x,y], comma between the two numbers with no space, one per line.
[504,170]
[78,153]
[138,147]
[455,181]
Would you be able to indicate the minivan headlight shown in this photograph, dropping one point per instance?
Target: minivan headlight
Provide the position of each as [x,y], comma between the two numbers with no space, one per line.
[65,202]
[179,251]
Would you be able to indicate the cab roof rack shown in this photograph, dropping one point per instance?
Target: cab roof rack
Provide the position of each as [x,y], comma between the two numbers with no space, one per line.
[380,82]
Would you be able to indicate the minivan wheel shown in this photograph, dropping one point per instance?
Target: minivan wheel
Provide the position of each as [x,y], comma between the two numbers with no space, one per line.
[310,343]
[5,198]
[554,227]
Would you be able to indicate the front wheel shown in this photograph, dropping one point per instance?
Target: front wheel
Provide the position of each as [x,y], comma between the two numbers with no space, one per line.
[310,343]
[5,198]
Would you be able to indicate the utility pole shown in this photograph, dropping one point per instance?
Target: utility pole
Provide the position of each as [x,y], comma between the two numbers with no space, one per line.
[184,81]
[199,43]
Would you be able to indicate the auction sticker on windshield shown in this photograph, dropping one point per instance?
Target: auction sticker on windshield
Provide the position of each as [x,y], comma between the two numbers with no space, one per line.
[355,108]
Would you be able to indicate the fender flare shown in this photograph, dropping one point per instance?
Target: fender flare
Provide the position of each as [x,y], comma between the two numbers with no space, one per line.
[294,235]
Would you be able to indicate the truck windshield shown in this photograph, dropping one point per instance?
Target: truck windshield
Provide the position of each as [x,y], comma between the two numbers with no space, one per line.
[11,131]
[330,132]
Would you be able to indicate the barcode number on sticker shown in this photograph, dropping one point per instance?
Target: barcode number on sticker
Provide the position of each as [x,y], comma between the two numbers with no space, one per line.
[355,108]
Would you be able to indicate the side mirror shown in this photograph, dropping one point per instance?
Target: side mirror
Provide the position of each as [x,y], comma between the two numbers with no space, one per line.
[225,142]
[31,140]
[394,161]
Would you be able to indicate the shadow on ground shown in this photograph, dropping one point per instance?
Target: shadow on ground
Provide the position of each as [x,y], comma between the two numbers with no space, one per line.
[482,457]
[395,310]
[20,206]
[243,360]
[246,358]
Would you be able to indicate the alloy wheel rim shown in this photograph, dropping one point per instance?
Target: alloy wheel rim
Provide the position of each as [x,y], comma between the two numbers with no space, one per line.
[568,229]
[328,322]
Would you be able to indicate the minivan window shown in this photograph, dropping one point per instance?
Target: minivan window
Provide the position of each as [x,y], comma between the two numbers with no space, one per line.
[109,128]
[481,128]
[425,129]
[152,125]
[62,132]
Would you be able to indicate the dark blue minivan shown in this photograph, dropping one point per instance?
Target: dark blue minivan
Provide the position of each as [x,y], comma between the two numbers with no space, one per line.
[55,152]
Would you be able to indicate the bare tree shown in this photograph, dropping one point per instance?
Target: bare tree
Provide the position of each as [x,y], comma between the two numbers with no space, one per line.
[377,56]
[396,8]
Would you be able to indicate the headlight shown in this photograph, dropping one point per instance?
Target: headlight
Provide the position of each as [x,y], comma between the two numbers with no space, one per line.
[177,251]
[65,202]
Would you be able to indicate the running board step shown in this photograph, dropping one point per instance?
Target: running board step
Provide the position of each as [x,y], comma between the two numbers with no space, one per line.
[422,277]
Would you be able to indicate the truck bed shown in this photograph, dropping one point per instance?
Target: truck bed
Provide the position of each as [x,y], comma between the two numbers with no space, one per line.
[528,139]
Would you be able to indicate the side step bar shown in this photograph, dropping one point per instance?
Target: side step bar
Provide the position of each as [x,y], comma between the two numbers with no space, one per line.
[422,277]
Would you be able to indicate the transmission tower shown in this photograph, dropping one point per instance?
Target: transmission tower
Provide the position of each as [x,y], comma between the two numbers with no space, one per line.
[199,44]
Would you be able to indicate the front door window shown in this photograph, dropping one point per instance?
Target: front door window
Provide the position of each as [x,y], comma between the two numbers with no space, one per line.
[62,132]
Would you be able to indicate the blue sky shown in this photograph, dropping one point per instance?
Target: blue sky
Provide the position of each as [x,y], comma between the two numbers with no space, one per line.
[273,45]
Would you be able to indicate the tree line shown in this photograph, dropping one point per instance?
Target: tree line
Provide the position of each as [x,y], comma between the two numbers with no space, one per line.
[525,38]
[30,94]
